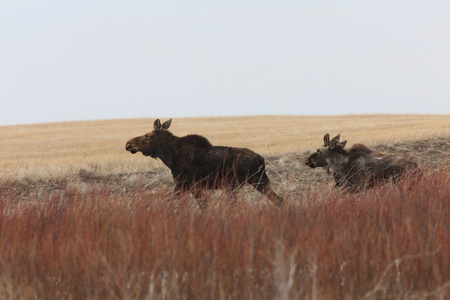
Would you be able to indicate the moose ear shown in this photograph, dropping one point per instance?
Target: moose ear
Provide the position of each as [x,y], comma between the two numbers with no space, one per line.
[342,144]
[333,143]
[326,139]
[336,138]
[167,124]
[157,124]
[336,144]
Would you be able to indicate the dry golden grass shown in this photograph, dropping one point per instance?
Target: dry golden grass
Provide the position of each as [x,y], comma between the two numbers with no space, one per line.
[62,149]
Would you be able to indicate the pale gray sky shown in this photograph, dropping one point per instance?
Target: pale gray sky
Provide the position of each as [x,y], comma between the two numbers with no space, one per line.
[88,60]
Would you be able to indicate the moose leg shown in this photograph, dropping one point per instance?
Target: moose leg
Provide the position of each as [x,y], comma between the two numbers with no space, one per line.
[201,201]
[182,188]
[266,189]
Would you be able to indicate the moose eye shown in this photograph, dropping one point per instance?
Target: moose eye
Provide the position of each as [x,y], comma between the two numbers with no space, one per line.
[147,135]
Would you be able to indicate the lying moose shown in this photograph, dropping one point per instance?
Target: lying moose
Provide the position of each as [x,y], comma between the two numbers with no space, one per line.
[359,167]
[197,165]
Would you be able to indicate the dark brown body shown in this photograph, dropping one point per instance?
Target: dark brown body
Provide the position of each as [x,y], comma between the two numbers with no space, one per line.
[359,167]
[197,165]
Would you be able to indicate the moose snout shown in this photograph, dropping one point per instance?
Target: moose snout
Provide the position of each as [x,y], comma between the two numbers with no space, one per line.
[309,162]
[130,147]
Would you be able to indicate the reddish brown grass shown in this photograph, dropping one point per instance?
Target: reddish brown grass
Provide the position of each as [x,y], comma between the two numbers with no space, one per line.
[96,241]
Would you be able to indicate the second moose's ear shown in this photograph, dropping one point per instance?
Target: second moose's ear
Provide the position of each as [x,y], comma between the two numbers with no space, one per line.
[326,140]
[335,144]
[336,138]
[342,144]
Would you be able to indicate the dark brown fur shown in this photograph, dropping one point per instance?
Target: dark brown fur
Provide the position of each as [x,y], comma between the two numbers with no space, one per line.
[359,167]
[197,165]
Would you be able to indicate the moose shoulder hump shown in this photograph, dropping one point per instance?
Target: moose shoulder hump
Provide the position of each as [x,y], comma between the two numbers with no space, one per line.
[196,140]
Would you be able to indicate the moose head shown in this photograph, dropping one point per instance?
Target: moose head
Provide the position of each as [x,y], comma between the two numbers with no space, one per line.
[331,150]
[152,143]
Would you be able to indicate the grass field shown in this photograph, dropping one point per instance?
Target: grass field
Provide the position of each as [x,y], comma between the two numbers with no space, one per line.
[61,149]
[80,218]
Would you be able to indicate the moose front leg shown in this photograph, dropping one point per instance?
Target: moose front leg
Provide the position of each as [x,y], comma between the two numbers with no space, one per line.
[182,188]
[266,189]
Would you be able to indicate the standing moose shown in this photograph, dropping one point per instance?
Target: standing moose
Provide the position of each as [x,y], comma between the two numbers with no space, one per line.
[358,167]
[197,165]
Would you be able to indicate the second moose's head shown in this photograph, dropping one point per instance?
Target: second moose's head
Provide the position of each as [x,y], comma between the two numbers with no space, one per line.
[359,167]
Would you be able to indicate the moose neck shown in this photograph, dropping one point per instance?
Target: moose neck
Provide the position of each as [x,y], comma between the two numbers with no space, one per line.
[167,150]
[338,161]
